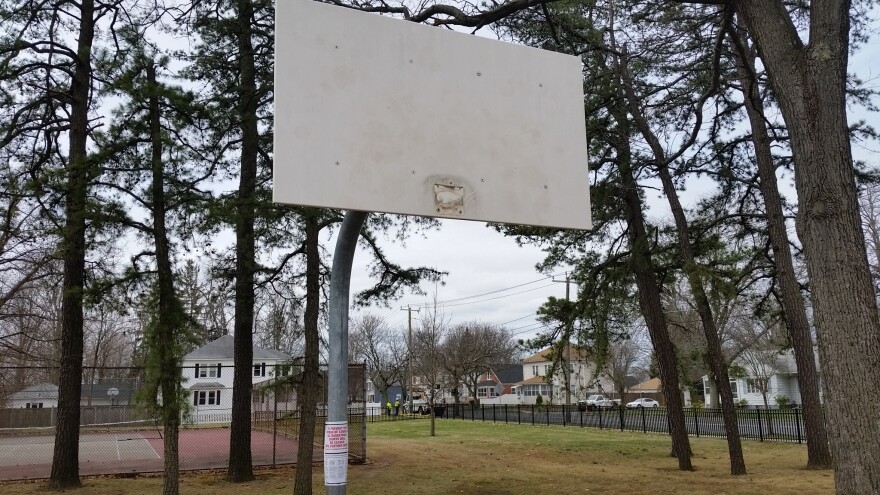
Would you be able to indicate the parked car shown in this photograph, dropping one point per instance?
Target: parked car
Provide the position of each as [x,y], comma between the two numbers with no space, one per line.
[595,402]
[643,402]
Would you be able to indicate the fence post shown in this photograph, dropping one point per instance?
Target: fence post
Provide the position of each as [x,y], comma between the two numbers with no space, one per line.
[644,425]
[493,413]
[533,415]
[519,414]
[600,417]
[760,427]
[797,422]
[620,416]
[274,424]
[505,413]
[696,421]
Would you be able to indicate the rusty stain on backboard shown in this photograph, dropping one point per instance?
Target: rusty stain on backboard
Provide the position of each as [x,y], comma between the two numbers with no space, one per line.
[449,199]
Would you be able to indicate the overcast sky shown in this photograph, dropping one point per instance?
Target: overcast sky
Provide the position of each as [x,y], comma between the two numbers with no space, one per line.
[491,279]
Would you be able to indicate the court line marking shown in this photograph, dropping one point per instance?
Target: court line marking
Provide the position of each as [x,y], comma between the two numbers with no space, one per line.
[150,445]
[118,455]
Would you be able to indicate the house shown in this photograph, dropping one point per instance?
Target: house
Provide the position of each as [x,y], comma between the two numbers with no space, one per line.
[759,375]
[585,379]
[39,396]
[375,399]
[492,385]
[653,389]
[102,392]
[208,372]
[646,388]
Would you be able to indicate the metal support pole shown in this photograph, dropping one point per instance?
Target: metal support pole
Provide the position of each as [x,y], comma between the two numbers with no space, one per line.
[409,366]
[409,372]
[336,430]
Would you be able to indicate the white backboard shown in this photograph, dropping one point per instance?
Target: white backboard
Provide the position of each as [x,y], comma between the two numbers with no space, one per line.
[379,114]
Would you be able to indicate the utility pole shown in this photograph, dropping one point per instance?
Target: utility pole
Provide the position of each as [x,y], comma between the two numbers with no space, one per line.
[409,376]
[567,283]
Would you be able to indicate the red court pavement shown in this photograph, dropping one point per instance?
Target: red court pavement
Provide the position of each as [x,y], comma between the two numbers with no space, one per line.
[139,452]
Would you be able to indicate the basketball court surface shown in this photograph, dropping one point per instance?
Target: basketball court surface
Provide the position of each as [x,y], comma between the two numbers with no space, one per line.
[29,457]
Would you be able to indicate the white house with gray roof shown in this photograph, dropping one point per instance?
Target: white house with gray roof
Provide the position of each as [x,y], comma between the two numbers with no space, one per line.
[208,372]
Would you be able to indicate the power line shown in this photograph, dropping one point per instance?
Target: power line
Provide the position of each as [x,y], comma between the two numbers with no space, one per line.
[429,305]
[539,327]
[535,324]
[495,291]
[517,319]
[464,298]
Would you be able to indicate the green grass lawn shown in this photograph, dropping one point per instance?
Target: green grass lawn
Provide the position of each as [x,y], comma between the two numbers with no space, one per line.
[474,458]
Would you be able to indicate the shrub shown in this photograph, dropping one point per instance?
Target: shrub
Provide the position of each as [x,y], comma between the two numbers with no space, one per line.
[782,401]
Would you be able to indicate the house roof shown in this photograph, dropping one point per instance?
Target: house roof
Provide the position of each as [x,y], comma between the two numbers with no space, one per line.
[223,348]
[652,385]
[535,380]
[109,388]
[577,354]
[43,390]
[207,386]
[511,373]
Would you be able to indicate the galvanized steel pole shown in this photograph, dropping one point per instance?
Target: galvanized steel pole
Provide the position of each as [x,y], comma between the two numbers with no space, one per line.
[336,430]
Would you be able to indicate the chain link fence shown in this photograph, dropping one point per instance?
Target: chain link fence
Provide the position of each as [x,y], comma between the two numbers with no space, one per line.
[119,435]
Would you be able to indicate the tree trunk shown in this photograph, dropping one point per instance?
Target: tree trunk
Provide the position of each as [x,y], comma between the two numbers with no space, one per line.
[311,367]
[65,458]
[649,298]
[810,83]
[240,461]
[168,317]
[717,363]
[433,417]
[818,452]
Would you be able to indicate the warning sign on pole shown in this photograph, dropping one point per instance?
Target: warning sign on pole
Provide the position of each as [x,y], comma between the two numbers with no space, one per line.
[336,437]
[335,452]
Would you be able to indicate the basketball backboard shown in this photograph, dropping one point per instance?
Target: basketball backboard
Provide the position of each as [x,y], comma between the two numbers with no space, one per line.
[379,114]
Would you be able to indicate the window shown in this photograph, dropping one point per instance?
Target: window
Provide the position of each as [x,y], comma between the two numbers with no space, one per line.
[734,389]
[207,370]
[535,370]
[260,369]
[34,405]
[546,369]
[206,398]
[756,385]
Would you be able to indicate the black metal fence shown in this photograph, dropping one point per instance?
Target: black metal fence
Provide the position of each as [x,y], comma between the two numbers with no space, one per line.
[777,425]
[122,436]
